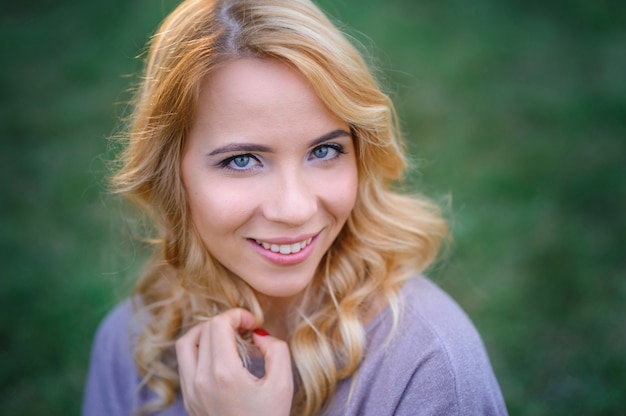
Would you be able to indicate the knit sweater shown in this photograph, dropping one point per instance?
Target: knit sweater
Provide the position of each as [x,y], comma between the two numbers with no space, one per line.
[434,363]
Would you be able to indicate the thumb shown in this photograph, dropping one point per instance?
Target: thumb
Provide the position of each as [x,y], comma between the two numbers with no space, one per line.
[276,355]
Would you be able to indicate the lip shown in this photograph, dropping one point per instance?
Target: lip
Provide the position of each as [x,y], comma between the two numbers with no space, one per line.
[286,259]
[287,240]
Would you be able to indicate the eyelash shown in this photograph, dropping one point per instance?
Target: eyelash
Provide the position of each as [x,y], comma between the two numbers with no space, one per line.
[225,164]
[336,147]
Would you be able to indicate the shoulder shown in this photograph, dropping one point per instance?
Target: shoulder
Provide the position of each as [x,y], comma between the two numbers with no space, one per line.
[448,349]
[431,314]
[114,330]
[114,386]
[434,363]
[112,376]
[449,354]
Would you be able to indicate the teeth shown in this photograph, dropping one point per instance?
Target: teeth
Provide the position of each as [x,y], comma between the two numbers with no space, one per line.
[285,248]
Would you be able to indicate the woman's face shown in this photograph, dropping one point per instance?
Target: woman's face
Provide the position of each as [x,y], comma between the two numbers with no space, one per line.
[270,174]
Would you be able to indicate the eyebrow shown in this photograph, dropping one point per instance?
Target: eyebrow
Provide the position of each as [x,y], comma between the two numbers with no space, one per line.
[251,147]
[240,147]
[329,136]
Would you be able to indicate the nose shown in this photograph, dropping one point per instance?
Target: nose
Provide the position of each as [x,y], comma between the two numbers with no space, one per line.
[291,200]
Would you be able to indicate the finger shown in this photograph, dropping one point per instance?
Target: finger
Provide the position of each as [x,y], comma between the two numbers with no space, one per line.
[218,344]
[239,318]
[277,359]
[187,345]
[187,357]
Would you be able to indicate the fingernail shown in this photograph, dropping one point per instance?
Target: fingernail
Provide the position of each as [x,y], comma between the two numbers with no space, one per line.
[261,332]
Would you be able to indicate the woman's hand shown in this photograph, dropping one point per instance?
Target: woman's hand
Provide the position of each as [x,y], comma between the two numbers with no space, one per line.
[214,381]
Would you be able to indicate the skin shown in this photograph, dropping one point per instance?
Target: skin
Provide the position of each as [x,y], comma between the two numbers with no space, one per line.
[271,177]
[213,380]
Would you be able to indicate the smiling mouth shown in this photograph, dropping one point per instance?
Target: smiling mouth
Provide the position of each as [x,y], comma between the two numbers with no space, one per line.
[285,248]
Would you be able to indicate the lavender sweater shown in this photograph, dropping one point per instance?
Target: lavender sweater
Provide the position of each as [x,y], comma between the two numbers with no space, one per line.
[435,365]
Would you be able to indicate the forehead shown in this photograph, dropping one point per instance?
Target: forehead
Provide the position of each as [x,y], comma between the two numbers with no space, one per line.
[250,97]
[255,76]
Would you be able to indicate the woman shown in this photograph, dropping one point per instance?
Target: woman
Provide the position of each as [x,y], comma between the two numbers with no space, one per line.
[266,154]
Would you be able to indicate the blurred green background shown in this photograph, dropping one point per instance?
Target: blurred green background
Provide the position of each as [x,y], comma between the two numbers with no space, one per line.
[516,114]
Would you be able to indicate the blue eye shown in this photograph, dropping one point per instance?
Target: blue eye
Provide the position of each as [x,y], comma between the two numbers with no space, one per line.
[327,151]
[321,152]
[240,162]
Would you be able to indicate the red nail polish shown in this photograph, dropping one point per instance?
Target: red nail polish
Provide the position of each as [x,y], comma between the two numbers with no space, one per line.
[261,332]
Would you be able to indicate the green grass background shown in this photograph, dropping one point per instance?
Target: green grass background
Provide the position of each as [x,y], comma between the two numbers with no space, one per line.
[515,112]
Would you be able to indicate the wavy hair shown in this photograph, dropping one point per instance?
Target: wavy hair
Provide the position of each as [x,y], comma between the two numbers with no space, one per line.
[387,237]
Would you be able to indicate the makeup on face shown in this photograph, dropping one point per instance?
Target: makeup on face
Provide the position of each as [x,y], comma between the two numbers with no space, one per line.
[270,174]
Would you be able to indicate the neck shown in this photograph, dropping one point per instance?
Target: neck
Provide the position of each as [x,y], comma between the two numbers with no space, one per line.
[279,315]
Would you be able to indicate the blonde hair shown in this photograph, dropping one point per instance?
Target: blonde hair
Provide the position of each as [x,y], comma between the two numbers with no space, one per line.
[388,236]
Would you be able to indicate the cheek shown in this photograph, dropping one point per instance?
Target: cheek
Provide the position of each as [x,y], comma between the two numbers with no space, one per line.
[341,193]
[217,209]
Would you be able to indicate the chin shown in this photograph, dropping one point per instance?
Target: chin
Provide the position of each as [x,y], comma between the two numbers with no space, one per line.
[283,290]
